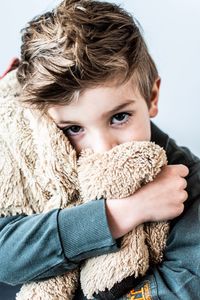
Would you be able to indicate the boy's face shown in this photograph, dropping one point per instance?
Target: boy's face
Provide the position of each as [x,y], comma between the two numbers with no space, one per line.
[106,116]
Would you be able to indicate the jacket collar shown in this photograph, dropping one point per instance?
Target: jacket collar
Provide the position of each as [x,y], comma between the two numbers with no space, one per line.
[159,137]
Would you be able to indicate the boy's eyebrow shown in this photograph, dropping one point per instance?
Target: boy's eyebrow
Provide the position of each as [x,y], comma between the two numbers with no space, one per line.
[119,107]
[112,111]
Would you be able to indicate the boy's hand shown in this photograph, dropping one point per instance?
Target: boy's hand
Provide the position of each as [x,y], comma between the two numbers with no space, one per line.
[162,199]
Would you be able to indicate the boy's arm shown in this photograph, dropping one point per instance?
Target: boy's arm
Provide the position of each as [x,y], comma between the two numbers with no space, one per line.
[178,276]
[43,245]
[159,200]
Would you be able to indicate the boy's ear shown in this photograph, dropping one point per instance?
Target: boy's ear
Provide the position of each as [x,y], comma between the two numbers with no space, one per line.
[153,110]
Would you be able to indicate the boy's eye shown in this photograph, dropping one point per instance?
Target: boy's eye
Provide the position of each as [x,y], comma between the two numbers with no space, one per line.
[72,130]
[120,118]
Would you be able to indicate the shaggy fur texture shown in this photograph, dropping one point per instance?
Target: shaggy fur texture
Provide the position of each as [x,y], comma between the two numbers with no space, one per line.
[39,173]
[118,173]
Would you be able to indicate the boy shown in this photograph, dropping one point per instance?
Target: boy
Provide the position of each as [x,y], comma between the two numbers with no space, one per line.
[87,66]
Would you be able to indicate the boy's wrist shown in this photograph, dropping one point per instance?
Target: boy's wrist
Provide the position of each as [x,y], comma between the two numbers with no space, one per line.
[124,214]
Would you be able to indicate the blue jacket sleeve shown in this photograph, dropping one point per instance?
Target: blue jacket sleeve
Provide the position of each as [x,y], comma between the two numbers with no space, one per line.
[44,245]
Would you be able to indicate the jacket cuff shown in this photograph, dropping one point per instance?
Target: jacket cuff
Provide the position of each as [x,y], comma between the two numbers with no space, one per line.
[84,231]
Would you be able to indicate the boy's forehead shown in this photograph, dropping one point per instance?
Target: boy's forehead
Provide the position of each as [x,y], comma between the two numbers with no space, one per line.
[112,88]
[106,96]
[99,102]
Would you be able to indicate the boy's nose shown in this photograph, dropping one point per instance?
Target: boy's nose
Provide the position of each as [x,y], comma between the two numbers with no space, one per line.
[104,143]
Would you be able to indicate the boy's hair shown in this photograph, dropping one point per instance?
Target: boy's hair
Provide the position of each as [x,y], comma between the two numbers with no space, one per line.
[79,45]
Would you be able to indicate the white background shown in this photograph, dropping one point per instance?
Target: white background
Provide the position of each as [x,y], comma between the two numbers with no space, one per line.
[172,31]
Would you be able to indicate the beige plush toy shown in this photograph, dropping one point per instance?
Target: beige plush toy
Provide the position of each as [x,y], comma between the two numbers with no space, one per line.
[39,173]
[118,173]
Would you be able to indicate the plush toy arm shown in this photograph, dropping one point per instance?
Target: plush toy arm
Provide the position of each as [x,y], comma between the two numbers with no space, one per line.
[118,173]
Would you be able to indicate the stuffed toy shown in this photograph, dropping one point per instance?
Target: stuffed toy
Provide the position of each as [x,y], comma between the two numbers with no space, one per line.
[118,173]
[39,172]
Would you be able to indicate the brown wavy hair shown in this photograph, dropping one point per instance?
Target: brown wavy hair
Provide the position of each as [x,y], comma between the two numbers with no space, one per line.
[81,44]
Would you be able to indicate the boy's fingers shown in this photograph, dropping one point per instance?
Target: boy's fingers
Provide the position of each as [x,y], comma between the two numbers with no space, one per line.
[183,170]
[185,196]
[184,184]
